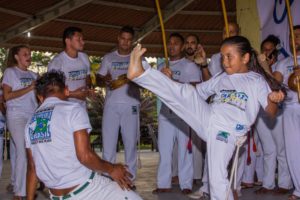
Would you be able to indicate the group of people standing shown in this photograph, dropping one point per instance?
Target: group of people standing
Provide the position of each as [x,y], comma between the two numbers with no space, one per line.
[214,102]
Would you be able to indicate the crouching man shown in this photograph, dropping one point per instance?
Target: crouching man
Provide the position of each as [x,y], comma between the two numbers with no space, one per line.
[59,153]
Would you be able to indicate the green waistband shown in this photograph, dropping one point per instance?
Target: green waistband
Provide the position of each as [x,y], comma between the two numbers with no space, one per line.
[76,191]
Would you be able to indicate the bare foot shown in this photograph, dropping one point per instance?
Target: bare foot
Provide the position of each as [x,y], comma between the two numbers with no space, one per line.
[135,67]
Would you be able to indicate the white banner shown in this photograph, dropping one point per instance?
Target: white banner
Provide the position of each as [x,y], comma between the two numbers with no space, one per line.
[274,20]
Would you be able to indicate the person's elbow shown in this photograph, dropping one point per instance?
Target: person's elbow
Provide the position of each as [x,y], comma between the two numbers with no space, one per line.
[84,157]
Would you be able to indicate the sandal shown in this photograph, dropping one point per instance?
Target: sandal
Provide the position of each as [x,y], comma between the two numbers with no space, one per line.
[246,185]
[161,190]
[264,190]
[186,191]
[293,197]
[280,191]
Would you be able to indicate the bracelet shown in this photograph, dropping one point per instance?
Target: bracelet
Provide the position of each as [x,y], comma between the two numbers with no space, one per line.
[204,66]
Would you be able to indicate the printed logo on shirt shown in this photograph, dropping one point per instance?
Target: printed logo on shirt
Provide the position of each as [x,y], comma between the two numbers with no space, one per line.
[232,97]
[77,75]
[223,136]
[176,75]
[119,66]
[290,69]
[39,128]
[1,132]
[25,82]
[134,110]
[240,127]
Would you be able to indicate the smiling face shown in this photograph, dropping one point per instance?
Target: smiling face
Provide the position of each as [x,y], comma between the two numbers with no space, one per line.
[23,58]
[232,60]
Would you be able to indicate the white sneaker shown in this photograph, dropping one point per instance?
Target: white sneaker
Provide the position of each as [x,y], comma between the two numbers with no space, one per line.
[198,195]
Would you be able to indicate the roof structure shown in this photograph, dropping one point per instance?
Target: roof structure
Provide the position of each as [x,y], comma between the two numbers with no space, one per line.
[102,19]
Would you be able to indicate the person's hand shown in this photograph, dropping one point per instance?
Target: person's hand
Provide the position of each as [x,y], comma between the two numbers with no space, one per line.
[200,56]
[276,96]
[80,93]
[32,85]
[167,71]
[120,174]
[107,79]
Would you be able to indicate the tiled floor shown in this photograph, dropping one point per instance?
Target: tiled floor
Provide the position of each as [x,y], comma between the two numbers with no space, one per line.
[145,183]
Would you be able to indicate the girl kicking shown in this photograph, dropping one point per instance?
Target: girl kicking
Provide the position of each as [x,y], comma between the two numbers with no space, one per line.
[238,94]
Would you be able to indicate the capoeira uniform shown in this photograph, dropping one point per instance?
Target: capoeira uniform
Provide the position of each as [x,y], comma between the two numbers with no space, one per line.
[121,109]
[214,67]
[234,109]
[76,71]
[18,111]
[291,125]
[215,64]
[52,145]
[273,149]
[254,148]
[173,129]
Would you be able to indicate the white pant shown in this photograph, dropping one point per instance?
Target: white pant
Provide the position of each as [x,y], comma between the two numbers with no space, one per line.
[205,186]
[170,130]
[102,188]
[12,154]
[197,156]
[124,116]
[284,176]
[16,125]
[273,149]
[256,161]
[291,125]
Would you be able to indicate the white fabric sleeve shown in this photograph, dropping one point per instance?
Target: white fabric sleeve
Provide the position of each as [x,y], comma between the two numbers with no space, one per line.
[27,139]
[193,73]
[103,70]
[55,64]
[183,99]
[86,60]
[206,88]
[278,68]
[262,92]
[8,77]
[79,119]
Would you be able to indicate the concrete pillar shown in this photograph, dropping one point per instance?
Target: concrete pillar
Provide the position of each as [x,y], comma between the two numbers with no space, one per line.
[248,20]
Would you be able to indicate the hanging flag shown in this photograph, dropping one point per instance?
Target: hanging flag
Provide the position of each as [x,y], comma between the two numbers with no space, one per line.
[274,20]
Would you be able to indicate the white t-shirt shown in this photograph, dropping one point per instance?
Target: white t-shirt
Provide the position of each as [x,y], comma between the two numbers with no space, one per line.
[183,71]
[285,67]
[75,69]
[215,64]
[115,64]
[18,79]
[237,99]
[50,136]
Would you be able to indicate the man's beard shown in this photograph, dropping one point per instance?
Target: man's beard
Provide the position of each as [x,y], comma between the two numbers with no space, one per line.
[189,52]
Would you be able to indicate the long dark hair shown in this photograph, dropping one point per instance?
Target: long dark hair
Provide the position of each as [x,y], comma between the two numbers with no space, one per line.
[243,45]
[11,60]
